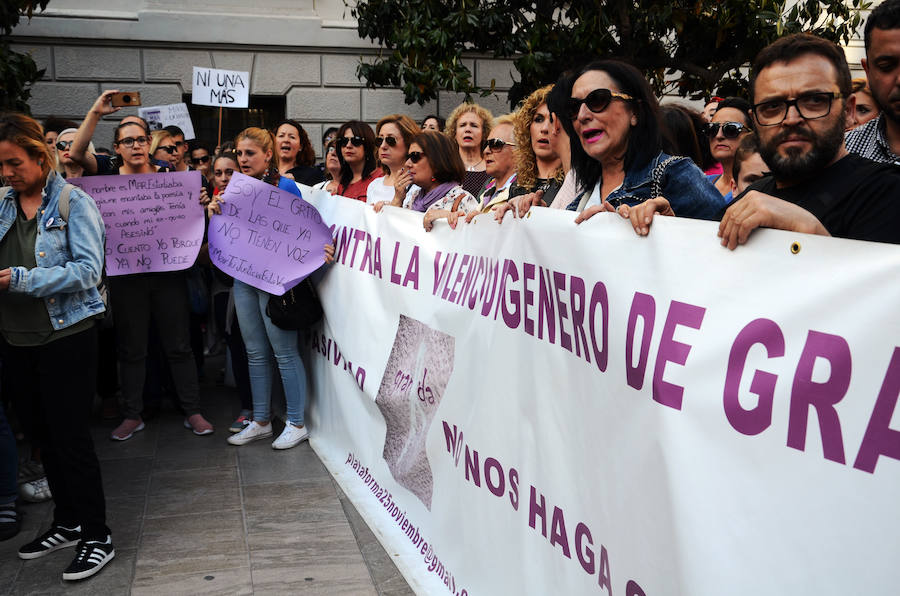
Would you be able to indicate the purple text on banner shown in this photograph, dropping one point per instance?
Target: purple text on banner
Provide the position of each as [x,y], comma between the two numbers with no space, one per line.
[154,222]
[266,237]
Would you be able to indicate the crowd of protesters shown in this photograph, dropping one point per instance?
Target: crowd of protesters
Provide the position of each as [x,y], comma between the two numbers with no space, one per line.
[808,150]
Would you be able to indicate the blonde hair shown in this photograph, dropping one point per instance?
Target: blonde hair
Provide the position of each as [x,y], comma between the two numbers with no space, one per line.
[265,140]
[408,129]
[504,119]
[487,120]
[60,168]
[860,84]
[157,137]
[527,171]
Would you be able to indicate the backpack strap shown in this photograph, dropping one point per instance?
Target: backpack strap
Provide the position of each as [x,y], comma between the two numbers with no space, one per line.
[64,202]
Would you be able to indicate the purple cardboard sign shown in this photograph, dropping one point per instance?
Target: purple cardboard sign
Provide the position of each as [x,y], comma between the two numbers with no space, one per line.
[266,237]
[154,222]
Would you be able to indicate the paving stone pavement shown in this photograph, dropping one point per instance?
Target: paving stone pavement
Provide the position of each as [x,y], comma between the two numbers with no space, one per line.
[194,515]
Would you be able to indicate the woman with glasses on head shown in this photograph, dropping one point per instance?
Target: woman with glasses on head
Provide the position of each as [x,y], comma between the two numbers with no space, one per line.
[395,133]
[296,156]
[616,143]
[65,165]
[356,152]
[729,125]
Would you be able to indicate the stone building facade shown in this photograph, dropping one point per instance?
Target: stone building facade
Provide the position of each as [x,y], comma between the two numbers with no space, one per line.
[301,54]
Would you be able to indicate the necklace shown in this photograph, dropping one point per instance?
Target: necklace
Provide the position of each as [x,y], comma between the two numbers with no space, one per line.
[472,167]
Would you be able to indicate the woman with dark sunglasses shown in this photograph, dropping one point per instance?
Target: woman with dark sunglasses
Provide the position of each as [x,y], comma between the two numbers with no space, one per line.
[201,159]
[163,148]
[65,165]
[616,144]
[395,133]
[435,166]
[296,156]
[729,125]
[356,152]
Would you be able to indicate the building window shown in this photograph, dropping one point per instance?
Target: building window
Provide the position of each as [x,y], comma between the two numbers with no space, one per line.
[265,111]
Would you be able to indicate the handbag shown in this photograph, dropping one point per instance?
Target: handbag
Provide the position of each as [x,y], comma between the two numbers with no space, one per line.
[298,308]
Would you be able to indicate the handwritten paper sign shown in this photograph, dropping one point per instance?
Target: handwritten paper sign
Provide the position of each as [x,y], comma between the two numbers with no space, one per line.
[176,114]
[266,237]
[154,222]
[215,87]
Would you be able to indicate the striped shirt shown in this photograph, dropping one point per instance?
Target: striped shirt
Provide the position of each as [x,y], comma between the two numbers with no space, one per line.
[870,141]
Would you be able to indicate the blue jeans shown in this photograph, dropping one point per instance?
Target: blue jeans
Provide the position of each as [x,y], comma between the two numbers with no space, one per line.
[8,462]
[262,338]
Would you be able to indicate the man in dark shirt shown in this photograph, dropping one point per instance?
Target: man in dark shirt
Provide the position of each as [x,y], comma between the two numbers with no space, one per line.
[801,93]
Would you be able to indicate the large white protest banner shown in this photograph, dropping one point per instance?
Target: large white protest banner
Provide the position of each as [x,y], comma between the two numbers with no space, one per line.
[558,409]
[176,114]
[217,87]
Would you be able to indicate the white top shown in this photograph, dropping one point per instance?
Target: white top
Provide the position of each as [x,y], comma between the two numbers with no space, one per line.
[379,191]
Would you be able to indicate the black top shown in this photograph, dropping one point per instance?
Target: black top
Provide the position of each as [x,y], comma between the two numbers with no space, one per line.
[550,186]
[308,175]
[854,198]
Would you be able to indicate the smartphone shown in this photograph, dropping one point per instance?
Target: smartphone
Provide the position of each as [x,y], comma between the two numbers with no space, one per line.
[126,98]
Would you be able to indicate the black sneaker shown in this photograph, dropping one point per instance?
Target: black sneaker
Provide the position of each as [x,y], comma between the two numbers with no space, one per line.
[90,558]
[10,522]
[53,539]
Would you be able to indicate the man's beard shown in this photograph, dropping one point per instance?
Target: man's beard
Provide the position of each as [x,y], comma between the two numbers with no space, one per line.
[796,164]
[888,108]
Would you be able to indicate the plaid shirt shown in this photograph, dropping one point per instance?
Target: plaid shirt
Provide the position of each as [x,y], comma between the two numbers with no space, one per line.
[869,141]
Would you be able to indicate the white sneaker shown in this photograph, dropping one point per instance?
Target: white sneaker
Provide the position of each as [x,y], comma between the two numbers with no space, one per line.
[253,432]
[36,491]
[291,436]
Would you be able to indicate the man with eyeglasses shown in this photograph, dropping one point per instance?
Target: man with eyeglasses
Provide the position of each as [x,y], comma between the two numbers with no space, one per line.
[801,94]
[181,147]
[879,139]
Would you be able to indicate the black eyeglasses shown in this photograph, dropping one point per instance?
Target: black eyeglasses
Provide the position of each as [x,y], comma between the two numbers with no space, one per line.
[357,141]
[494,144]
[809,105]
[63,145]
[730,130]
[596,101]
[130,141]
[170,149]
[415,156]
[391,141]
[198,160]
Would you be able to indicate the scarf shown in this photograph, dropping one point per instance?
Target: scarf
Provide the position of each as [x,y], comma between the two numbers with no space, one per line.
[425,200]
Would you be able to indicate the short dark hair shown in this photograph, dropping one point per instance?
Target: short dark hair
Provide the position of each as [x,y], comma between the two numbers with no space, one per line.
[328,131]
[680,133]
[790,47]
[306,156]
[740,104]
[57,125]
[195,144]
[443,156]
[441,122]
[885,16]
[174,131]
[747,147]
[360,129]
[645,138]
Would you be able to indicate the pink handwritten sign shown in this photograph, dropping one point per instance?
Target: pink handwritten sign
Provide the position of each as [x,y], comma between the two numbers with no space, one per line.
[154,222]
[266,237]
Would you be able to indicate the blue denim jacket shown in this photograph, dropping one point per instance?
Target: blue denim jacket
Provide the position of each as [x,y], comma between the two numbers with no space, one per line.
[70,261]
[687,188]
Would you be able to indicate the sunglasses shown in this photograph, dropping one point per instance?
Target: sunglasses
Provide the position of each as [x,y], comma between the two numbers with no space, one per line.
[494,144]
[730,130]
[357,141]
[198,160]
[331,149]
[415,156]
[170,149]
[391,141]
[596,101]
[63,145]
[130,141]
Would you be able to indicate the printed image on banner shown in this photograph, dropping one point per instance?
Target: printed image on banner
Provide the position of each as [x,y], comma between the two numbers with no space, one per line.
[265,236]
[413,384]
[176,114]
[154,222]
